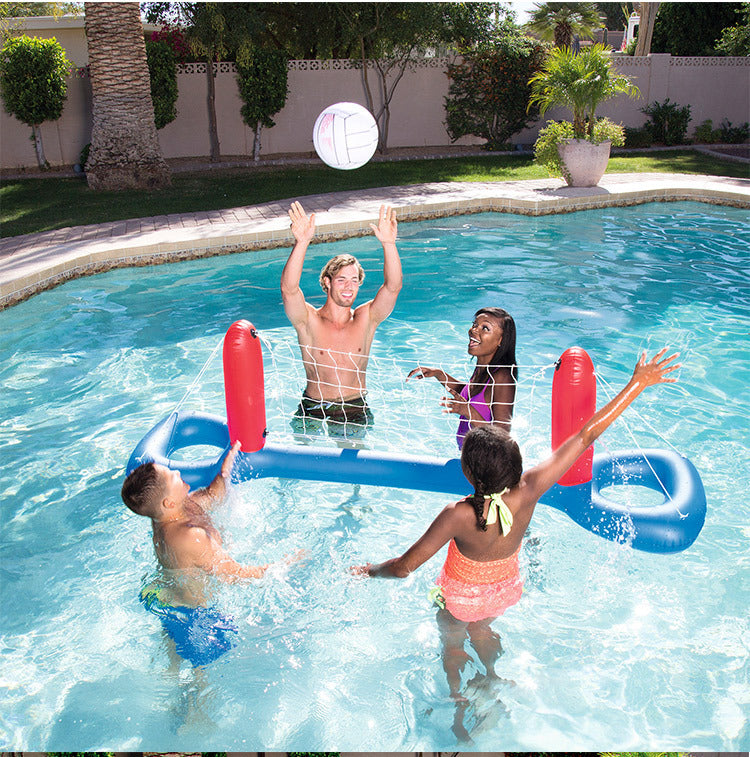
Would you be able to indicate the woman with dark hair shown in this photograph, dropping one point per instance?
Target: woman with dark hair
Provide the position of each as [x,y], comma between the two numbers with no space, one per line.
[480,579]
[488,396]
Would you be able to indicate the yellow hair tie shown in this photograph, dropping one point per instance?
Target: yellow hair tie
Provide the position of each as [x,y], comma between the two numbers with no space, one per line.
[498,508]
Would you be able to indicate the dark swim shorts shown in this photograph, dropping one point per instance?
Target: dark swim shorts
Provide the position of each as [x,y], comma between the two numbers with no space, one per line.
[347,418]
[200,634]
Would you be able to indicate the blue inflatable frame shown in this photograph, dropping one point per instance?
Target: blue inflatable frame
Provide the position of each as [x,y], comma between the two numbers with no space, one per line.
[671,526]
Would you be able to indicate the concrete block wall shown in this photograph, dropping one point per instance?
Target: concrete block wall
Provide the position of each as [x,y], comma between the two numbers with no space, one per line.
[715,88]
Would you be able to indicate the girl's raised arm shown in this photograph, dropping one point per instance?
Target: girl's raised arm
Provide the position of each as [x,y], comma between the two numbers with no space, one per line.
[538,479]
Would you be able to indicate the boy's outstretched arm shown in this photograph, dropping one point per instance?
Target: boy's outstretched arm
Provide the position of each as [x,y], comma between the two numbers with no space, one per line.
[217,489]
[540,478]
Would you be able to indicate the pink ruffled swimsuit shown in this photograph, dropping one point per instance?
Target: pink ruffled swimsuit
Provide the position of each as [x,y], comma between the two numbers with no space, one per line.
[476,590]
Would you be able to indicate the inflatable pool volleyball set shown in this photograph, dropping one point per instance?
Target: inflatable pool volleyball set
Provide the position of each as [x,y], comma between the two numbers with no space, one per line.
[671,526]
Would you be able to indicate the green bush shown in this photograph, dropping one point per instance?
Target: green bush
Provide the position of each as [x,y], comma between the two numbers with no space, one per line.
[668,122]
[34,83]
[735,40]
[489,91]
[704,133]
[580,82]
[33,79]
[630,47]
[545,147]
[162,69]
[262,81]
[635,137]
[263,88]
[733,134]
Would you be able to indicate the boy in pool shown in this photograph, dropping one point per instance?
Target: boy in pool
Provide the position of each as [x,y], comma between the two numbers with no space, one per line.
[480,577]
[335,338]
[190,551]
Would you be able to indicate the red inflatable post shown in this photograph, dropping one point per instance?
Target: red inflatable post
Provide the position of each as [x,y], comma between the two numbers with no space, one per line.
[573,403]
[243,386]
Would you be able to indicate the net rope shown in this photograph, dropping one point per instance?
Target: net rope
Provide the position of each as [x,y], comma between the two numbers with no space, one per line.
[610,392]
[408,415]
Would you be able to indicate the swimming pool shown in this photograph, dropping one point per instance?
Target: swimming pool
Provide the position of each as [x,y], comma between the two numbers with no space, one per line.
[609,648]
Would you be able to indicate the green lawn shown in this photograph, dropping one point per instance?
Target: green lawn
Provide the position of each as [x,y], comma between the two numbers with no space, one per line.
[43,204]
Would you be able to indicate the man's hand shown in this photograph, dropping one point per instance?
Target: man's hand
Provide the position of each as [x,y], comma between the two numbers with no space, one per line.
[303,228]
[387,228]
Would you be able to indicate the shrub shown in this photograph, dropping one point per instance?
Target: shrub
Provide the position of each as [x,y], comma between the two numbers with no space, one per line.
[34,83]
[545,147]
[638,137]
[705,133]
[262,82]
[489,90]
[579,82]
[162,69]
[691,28]
[176,41]
[733,134]
[735,40]
[669,122]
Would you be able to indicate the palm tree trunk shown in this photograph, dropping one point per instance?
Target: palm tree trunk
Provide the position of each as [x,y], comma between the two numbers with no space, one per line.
[125,151]
[646,27]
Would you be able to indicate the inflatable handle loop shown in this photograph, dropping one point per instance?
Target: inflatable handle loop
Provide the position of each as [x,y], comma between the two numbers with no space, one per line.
[573,403]
[243,386]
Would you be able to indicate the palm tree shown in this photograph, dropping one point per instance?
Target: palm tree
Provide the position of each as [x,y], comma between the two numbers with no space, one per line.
[579,82]
[560,22]
[125,151]
[647,13]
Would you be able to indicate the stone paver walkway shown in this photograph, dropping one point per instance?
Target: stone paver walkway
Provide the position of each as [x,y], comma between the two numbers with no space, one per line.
[33,262]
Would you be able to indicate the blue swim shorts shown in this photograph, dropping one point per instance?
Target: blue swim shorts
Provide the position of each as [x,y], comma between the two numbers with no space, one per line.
[200,634]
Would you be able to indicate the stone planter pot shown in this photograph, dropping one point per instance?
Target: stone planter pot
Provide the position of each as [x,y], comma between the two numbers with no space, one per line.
[584,162]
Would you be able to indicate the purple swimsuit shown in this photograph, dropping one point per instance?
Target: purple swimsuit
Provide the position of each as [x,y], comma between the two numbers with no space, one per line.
[478,402]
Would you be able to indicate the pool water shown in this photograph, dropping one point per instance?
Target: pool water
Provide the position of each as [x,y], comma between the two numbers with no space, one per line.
[609,648]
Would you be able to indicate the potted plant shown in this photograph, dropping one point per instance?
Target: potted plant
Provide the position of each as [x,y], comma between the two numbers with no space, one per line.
[579,82]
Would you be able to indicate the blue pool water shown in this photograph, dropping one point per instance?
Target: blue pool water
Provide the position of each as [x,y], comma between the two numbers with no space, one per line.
[609,648]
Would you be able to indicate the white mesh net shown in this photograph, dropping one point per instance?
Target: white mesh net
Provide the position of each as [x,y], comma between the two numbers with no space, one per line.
[407,414]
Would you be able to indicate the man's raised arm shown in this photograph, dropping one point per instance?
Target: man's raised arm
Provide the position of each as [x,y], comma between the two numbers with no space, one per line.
[303,229]
[385,299]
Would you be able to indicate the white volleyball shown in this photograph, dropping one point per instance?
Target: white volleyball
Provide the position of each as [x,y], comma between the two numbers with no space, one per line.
[345,135]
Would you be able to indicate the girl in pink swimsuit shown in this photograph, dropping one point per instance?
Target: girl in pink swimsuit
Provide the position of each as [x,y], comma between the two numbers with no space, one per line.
[488,396]
[484,531]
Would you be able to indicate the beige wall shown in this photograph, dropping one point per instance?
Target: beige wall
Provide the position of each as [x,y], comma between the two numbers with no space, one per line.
[67,30]
[715,88]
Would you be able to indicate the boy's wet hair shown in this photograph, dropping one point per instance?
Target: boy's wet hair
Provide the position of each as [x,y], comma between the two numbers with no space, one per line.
[142,489]
[335,264]
[491,460]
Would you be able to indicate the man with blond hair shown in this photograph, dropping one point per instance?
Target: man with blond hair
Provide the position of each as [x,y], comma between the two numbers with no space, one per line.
[335,338]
